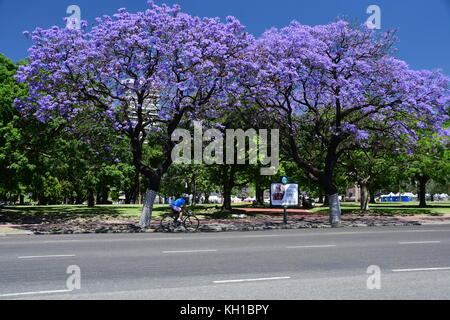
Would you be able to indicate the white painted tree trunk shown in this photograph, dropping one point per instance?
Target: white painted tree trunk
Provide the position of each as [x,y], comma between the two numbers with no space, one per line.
[146,215]
[335,210]
[364,198]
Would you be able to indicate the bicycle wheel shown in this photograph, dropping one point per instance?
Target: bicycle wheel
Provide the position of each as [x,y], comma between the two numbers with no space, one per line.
[191,223]
[167,224]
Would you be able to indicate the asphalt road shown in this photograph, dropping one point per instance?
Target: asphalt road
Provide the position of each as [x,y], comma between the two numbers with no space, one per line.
[284,264]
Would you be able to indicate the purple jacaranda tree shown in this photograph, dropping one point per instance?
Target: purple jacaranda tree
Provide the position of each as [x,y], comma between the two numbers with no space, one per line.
[330,87]
[144,72]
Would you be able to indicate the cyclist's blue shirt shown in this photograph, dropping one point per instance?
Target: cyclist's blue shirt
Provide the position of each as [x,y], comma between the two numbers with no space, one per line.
[178,203]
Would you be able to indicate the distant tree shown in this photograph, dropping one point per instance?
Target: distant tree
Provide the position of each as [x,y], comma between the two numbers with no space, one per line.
[14,165]
[430,161]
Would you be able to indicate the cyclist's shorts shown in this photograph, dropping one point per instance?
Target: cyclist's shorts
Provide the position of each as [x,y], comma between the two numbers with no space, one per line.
[176,209]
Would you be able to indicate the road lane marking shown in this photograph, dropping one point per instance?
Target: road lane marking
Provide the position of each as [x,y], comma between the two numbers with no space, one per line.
[418,242]
[34,293]
[420,269]
[154,239]
[374,232]
[261,236]
[189,251]
[47,256]
[314,246]
[61,241]
[251,280]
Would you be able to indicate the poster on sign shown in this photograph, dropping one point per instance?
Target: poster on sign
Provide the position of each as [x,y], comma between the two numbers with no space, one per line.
[284,195]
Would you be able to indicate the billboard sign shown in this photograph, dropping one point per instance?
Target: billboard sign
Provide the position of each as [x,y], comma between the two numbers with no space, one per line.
[284,195]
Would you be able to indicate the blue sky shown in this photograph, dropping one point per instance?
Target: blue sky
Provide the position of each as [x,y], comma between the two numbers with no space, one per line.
[423,25]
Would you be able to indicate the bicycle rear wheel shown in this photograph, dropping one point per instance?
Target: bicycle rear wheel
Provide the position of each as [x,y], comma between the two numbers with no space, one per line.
[191,223]
[167,224]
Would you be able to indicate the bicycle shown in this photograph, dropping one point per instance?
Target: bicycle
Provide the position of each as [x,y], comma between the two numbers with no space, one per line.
[189,221]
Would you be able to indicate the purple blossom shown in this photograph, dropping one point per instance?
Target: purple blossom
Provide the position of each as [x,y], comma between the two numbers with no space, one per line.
[160,53]
[346,73]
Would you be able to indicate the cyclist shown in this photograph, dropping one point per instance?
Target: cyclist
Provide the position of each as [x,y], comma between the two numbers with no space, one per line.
[179,208]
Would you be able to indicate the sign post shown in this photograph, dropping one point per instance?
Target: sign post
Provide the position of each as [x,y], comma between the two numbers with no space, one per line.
[284,181]
[285,195]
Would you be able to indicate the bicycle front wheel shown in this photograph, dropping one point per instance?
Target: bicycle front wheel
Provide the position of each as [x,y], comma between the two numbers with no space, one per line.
[167,224]
[191,223]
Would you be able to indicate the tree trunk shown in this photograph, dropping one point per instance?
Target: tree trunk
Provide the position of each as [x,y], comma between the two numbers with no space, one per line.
[153,184]
[228,184]
[259,194]
[146,215]
[364,202]
[102,196]
[335,210]
[372,196]
[127,197]
[422,190]
[331,190]
[320,197]
[196,199]
[194,190]
[136,191]
[227,198]
[326,201]
[91,198]
[105,196]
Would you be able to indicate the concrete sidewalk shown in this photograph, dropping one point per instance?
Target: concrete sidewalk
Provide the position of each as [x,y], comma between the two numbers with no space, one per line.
[13,230]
